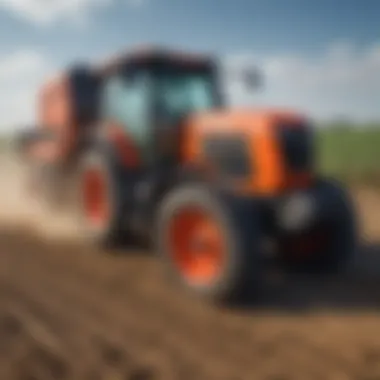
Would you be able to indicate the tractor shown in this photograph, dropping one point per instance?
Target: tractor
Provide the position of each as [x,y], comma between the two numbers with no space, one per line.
[155,152]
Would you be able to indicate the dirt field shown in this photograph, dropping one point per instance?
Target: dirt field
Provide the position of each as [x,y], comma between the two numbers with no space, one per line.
[67,312]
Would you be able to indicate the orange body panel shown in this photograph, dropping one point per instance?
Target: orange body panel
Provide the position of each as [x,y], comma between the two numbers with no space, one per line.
[259,129]
[56,113]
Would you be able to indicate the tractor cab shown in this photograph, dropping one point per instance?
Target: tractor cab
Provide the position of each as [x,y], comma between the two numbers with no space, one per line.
[147,97]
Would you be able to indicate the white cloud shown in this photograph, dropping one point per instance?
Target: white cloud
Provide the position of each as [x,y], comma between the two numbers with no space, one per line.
[343,81]
[48,12]
[21,74]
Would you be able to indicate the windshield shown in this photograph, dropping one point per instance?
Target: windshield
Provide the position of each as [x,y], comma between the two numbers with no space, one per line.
[184,91]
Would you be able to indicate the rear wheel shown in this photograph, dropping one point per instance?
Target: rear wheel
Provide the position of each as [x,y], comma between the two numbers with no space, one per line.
[210,243]
[101,199]
[96,203]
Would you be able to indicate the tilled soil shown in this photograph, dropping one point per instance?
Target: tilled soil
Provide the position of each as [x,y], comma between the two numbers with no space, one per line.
[70,312]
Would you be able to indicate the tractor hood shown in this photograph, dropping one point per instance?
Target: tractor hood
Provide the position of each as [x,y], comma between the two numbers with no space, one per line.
[274,148]
[249,120]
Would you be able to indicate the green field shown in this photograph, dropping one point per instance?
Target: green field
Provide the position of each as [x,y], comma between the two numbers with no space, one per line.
[351,154]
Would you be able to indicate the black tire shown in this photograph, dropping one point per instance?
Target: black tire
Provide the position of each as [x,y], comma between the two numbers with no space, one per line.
[239,277]
[111,232]
[338,216]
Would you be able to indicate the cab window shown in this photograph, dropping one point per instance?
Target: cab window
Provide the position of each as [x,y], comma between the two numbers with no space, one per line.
[185,91]
[128,102]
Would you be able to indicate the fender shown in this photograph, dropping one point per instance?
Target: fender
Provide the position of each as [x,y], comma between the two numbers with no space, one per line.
[180,175]
[114,143]
[123,145]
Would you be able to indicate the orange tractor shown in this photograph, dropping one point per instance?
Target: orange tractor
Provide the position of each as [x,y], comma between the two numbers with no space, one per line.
[155,152]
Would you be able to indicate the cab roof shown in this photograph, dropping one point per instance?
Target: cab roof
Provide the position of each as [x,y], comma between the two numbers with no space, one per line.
[147,54]
[140,54]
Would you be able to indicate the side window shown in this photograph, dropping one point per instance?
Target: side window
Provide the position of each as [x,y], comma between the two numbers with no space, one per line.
[128,101]
[186,92]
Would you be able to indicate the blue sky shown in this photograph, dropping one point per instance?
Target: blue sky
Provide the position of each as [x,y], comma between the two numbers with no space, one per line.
[322,57]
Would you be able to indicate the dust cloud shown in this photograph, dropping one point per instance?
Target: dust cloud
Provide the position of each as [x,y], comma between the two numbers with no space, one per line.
[19,208]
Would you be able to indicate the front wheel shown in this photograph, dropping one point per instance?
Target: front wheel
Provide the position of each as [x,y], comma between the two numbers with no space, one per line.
[328,246]
[209,242]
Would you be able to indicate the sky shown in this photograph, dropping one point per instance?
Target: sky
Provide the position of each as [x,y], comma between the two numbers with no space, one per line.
[320,57]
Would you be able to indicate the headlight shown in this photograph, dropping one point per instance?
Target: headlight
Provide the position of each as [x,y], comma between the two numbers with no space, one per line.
[297,211]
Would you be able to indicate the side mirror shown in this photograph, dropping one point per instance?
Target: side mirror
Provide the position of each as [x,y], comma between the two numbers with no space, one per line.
[246,76]
[252,79]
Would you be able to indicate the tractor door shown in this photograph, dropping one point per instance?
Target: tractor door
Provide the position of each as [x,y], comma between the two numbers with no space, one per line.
[182,90]
[128,105]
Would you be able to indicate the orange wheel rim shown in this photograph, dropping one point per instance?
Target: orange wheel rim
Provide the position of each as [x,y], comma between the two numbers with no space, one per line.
[197,246]
[95,197]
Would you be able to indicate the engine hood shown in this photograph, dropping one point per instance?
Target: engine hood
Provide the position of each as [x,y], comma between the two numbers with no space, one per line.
[249,120]
[275,142]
